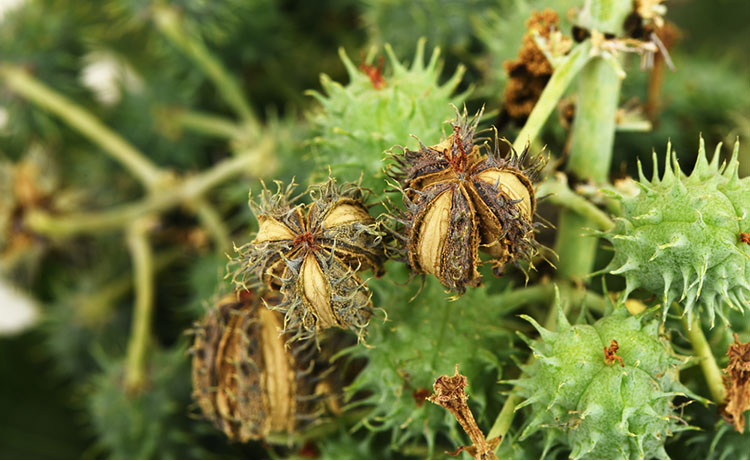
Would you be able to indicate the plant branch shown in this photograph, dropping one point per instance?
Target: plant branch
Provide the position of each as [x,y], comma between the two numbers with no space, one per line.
[22,83]
[182,191]
[208,124]
[563,74]
[211,220]
[560,194]
[171,25]
[702,349]
[143,279]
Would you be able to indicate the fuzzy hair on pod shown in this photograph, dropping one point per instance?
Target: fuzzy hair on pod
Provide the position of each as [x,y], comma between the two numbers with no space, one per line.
[313,253]
[604,390]
[246,380]
[681,237]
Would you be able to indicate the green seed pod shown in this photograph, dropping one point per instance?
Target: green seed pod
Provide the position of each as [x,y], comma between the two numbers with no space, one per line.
[682,236]
[246,380]
[377,110]
[602,390]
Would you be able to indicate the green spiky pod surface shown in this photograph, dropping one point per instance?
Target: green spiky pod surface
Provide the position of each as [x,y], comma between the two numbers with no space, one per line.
[419,341]
[358,122]
[681,236]
[599,398]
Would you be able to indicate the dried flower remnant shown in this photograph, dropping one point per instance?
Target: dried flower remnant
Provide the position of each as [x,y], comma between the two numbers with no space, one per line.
[458,201]
[610,354]
[375,73]
[450,394]
[312,254]
[531,70]
[745,237]
[246,381]
[737,384]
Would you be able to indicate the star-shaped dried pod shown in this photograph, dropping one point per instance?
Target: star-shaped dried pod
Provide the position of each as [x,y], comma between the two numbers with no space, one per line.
[246,380]
[460,197]
[312,253]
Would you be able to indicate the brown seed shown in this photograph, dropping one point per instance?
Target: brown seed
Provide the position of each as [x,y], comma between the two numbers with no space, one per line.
[459,201]
[312,254]
[245,380]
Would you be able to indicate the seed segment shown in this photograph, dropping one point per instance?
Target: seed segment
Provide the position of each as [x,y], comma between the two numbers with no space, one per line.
[458,200]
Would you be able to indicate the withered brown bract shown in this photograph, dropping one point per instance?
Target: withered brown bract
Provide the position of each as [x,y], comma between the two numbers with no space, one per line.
[458,200]
[312,254]
[246,380]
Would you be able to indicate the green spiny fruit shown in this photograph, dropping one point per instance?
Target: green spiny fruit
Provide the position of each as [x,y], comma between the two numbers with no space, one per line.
[682,236]
[602,390]
[423,339]
[360,121]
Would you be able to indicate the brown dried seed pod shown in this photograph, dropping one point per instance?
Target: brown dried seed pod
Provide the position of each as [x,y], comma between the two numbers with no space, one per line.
[245,380]
[458,200]
[312,254]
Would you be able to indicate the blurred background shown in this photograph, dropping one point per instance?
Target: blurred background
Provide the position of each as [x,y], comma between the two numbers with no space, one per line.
[101,100]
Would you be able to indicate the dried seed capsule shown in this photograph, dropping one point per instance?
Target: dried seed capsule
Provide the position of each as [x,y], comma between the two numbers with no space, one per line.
[458,200]
[245,380]
[312,254]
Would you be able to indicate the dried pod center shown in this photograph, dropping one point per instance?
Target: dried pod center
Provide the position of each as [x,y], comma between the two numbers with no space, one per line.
[307,239]
[457,157]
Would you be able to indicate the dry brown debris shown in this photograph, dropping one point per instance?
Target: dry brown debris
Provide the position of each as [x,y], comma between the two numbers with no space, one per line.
[737,384]
[450,394]
[531,70]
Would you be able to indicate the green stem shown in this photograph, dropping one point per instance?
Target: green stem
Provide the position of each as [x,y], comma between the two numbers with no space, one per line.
[592,135]
[169,23]
[20,82]
[182,191]
[207,124]
[211,220]
[702,349]
[560,194]
[564,73]
[140,331]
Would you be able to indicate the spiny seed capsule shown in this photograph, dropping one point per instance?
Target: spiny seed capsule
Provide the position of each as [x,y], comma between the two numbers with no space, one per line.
[312,254]
[245,380]
[681,237]
[458,200]
[604,390]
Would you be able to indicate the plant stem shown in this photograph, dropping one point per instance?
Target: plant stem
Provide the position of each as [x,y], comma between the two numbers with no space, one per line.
[710,368]
[211,220]
[560,194]
[143,279]
[19,81]
[563,74]
[170,24]
[591,154]
[207,124]
[182,191]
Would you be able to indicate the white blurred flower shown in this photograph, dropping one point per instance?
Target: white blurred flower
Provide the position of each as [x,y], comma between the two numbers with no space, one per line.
[18,312]
[106,75]
[9,5]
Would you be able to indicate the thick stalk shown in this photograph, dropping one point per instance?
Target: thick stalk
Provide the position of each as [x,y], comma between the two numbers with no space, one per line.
[208,124]
[143,279]
[702,349]
[183,191]
[564,73]
[590,158]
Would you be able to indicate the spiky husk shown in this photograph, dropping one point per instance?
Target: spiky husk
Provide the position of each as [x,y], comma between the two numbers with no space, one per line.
[680,236]
[246,380]
[320,283]
[489,198]
[362,121]
[598,408]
